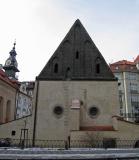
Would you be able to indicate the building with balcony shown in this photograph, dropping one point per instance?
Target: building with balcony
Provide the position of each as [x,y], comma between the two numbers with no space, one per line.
[127,74]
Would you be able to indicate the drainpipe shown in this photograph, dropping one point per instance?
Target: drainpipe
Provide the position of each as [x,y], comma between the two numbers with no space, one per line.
[35,114]
[125,90]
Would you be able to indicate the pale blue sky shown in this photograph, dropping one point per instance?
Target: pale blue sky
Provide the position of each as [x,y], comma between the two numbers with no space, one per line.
[40,25]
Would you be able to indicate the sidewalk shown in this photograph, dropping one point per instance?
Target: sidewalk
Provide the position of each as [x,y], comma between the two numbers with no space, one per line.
[74,154]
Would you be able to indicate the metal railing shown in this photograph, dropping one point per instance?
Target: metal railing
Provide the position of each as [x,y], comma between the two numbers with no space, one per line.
[102,143]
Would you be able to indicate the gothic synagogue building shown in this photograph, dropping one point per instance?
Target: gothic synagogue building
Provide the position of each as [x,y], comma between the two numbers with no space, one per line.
[75,97]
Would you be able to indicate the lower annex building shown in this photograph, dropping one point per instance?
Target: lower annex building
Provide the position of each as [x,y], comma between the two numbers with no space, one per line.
[75,97]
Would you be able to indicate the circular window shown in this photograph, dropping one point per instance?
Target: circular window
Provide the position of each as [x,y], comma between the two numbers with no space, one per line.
[58,110]
[93,111]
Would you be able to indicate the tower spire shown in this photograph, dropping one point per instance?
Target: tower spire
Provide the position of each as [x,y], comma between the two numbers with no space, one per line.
[14,44]
[11,64]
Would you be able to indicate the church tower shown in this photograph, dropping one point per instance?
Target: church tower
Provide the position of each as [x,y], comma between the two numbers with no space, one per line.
[11,64]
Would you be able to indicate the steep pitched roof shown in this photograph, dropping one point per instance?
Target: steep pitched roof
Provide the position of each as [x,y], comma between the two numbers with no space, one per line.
[123,62]
[123,65]
[137,59]
[12,83]
[76,58]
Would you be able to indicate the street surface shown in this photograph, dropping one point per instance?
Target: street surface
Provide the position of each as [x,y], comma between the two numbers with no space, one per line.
[94,154]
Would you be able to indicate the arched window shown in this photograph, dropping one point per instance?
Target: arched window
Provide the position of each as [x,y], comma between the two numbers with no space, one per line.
[97,65]
[136,144]
[1,109]
[56,68]
[77,55]
[98,68]
[8,111]
[68,74]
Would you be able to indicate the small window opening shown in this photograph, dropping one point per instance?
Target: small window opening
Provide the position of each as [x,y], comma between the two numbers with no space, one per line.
[13,133]
[98,68]
[68,74]
[136,144]
[56,68]
[93,111]
[1,109]
[58,110]
[77,55]
[8,111]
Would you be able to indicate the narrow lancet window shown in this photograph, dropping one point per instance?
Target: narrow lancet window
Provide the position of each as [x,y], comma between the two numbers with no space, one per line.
[98,68]
[97,65]
[8,111]
[77,55]
[1,109]
[68,74]
[56,68]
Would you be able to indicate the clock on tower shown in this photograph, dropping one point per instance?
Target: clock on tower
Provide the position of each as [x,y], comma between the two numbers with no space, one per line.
[11,64]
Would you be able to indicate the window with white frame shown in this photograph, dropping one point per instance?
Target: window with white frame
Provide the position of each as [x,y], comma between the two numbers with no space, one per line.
[134,98]
[132,76]
[133,87]
[118,75]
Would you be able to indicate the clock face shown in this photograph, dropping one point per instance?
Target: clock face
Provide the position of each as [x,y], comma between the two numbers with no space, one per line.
[15,63]
[8,62]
